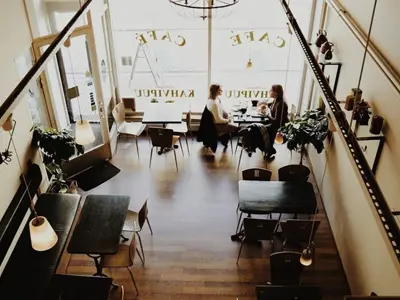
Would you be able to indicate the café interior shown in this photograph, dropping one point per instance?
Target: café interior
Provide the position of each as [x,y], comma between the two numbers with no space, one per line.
[115,185]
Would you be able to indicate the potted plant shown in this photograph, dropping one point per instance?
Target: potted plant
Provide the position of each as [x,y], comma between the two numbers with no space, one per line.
[310,128]
[154,100]
[56,147]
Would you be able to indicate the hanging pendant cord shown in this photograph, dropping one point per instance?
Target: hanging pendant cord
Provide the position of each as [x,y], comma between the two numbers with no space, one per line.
[364,58]
[73,77]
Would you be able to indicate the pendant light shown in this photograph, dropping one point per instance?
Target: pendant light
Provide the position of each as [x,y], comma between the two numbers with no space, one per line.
[249,64]
[83,131]
[279,136]
[43,236]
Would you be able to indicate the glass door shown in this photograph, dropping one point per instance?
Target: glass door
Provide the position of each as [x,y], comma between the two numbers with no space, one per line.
[72,89]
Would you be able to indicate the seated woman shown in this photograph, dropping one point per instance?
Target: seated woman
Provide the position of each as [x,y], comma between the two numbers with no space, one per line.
[278,113]
[214,105]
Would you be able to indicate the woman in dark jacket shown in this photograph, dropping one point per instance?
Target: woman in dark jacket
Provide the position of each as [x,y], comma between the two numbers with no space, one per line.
[278,115]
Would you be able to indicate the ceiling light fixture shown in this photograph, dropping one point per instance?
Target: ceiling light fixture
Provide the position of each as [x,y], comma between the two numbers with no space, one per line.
[201,8]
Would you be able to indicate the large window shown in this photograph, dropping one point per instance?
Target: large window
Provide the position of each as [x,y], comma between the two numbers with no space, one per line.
[165,56]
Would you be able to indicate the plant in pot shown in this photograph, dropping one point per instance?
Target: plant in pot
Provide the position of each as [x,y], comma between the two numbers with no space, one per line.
[56,147]
[310,128]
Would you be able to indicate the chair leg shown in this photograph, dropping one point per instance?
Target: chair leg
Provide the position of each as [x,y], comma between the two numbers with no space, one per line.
[148,137]
[140,256]
[230,139]
[237,208]
[151,156]
[187,144]
[116,147]
[141,246]
[237,144]
[148,223]
[137,146]
[180,144]
[238,224]
[240,158]
[176,161]
[240,250]
[134,283]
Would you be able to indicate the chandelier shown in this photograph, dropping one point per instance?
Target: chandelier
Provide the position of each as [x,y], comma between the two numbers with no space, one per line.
[204,8]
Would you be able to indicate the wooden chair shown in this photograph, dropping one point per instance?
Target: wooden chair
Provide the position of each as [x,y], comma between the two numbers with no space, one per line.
[296,234]
[165,139]
[134,222]
[285,268]
[128,128]
[183,128]
[122,259]
[258,230]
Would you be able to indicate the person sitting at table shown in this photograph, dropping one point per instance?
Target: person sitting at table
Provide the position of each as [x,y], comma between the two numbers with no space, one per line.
[278,114]
[221,117]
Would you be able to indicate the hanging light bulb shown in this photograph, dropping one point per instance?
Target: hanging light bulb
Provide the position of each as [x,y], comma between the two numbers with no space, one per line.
[83,133]
[8,124]
[43,236]
[306,257]
[279,138]
[249,64]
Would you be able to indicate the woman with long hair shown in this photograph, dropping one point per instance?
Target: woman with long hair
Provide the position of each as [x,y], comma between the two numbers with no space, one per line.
[221,117]
[278,115]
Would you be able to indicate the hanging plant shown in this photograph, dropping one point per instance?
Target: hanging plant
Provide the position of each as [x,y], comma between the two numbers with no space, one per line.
[310,128]
[56,147]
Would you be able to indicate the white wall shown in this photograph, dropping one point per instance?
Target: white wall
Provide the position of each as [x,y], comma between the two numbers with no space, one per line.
[367,256]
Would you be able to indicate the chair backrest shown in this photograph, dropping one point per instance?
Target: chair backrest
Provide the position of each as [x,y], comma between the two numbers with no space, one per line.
[188,118]
[132,250]
[294,173]
[161,137]
[294,292]
[118,113]
[143,214]
[256,174]
[299,231]
[259,229]
[285,268]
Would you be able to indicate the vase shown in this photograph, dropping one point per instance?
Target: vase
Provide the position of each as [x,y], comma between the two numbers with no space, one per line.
[321,38]
[349,104]
[376,125]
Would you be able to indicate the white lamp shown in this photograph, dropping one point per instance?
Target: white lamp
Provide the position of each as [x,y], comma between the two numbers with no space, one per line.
[43,236]
[306,257]
[83,133]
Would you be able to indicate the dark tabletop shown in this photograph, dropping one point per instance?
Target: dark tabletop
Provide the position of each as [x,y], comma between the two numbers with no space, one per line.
[100,225]
[162,113]
[240,119]
[75,287]
[263,197]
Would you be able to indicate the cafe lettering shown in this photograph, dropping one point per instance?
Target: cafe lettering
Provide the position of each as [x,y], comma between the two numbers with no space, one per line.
[189,93]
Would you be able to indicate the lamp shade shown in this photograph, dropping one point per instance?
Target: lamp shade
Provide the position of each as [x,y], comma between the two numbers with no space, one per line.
[42,234]
[279,138]
[84,133]
[306,257]
[249,64]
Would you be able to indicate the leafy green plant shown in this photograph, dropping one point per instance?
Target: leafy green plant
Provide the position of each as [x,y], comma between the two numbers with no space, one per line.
[154,100]
[310,128]
[56,147]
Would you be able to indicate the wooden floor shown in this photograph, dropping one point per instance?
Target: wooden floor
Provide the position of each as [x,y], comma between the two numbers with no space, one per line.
[193,214]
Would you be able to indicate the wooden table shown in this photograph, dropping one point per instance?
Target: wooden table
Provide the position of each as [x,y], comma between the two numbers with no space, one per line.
[162,113]
[99,227]
[265,197]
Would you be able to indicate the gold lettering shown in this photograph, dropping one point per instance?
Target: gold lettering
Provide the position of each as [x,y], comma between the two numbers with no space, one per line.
[166,36]
[250,35]
[146,93]
[174,93]
[236,39]
[153,93]
[142,40]
[183,41]
[159,93]
[191,94]
[166,93]
[138,93]
[152,34]
[183,94]
[237,94]
[264,94]
[256,93]
[228,94]
[282,43]
[264,37]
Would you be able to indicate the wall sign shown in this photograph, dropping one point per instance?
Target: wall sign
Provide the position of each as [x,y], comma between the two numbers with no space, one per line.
[158,35]
[190,93]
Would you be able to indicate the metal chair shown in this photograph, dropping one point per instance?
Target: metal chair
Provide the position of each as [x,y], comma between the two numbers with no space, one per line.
[183,128]
[128,128]
[122,259]
[298,233]
[285,268]
[258,230]
[165,139]
[134,223]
